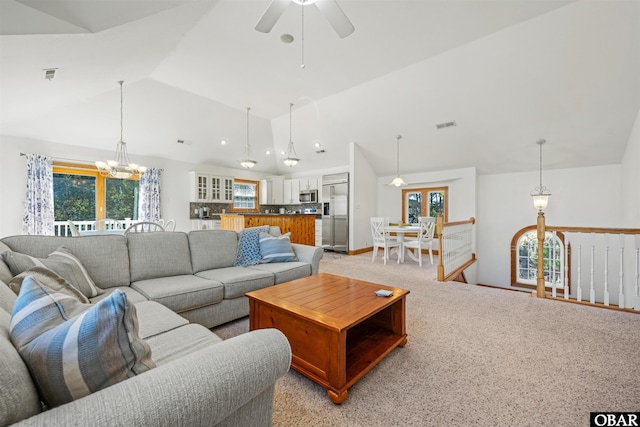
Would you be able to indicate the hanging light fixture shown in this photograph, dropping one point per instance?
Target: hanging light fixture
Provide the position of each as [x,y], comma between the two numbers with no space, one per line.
[397,181]
[292,158]
[247,162]
[120,167]
[540,194]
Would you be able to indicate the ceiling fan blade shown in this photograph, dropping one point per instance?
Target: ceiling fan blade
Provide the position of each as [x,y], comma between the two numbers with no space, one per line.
[336,17]
[271,15]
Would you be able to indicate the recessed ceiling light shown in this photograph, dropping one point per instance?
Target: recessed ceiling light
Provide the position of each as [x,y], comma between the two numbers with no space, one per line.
[317,144]
[223,141]
[286,38]
[268,152]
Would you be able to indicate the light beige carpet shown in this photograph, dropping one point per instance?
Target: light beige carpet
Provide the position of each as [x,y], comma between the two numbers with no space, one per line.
[476,356]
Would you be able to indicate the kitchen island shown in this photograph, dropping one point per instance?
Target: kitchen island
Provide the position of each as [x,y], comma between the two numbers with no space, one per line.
[301,226]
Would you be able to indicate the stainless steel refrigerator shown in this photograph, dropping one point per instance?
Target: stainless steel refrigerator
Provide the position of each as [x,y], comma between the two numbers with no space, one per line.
[335,212]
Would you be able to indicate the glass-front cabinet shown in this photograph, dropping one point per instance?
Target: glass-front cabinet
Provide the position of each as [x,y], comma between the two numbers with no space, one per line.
[211,188]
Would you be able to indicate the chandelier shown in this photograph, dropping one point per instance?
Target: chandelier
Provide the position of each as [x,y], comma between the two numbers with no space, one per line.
[397,181]
[292,158]
[540,194]
[247,162]
[120,167]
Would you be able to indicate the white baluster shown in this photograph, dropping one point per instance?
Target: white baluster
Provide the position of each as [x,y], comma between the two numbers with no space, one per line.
[606,269]
[566,266]
[592,292]
[579,290]
[552,263]
[621,294]
[636,302]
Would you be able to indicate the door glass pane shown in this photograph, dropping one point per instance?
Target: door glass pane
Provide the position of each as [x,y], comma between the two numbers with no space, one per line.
[121,198]
[74,197]
[436,203]
[414,203]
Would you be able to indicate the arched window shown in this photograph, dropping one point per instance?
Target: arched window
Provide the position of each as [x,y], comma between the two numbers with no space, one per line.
[524,259]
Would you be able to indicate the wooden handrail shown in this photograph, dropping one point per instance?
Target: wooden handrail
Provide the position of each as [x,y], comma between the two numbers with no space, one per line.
[593,229]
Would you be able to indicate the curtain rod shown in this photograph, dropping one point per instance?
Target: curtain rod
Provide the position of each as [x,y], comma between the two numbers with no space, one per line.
[86,162]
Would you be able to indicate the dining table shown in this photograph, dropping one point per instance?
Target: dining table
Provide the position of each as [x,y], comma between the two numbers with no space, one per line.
[400,230]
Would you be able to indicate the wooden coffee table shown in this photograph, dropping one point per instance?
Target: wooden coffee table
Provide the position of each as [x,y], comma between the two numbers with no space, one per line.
[337,327]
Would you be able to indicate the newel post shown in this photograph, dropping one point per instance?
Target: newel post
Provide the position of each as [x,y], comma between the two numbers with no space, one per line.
[540,289]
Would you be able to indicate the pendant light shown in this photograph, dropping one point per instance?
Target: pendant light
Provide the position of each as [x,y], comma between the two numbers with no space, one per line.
[397,181]
[292,158]
[540,194]
[247,162]
[120,167]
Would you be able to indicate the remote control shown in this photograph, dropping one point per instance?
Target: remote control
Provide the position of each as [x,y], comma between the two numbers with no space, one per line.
[384,293]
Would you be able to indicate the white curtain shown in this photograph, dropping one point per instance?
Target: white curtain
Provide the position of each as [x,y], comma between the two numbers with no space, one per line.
[38,208]
[149,201]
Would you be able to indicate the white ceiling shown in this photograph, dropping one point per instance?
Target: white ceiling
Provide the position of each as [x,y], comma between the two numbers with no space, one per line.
[508,72]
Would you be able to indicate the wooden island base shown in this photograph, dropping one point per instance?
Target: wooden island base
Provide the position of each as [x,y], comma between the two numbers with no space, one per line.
[337,327]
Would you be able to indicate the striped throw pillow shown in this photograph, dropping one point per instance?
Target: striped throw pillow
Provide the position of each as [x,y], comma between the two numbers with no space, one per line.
[276,249]
[74,349]
[62,262]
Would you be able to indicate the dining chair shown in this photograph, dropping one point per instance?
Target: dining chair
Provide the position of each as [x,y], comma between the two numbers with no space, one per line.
[72,228]
[424,240]
[143,227]
[382,239]
[161,222]
[170,225]
[108,224]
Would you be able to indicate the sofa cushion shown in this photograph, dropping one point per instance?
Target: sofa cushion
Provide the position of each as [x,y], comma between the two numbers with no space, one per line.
[62,262]
[212,249]
[155,255]
[92,251]
[239,280]
[48,278]
[248,252]
[5,272]
[18,395]
[181,293]
[180,342]
[276,249]
[285,271]
[74,349]
[133,296]
[154,319]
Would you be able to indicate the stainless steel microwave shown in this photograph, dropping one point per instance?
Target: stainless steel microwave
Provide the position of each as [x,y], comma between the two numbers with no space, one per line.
[309,196]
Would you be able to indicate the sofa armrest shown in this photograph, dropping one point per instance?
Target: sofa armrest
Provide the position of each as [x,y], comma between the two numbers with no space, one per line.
[310,254]
[203,388]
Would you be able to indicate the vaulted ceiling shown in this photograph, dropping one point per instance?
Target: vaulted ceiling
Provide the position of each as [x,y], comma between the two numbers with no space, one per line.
[507,72]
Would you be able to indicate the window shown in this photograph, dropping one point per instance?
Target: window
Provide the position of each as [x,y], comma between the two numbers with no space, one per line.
[524,260]
[424,202]
[245,196]
[80,193]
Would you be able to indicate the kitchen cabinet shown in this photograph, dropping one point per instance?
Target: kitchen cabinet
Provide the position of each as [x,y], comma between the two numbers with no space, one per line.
[291,191]
[205,224]
[319,232]
[310,183]
[210,188]
[271,191]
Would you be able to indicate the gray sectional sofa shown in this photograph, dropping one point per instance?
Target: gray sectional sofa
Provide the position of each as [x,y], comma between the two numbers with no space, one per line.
[181,284]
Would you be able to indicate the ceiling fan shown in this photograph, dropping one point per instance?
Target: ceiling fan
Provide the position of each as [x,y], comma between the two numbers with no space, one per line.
[329,8]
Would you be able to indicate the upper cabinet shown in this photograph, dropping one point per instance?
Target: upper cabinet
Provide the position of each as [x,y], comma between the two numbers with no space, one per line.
[291,191]
[211,188]
[310,183]
[271,191]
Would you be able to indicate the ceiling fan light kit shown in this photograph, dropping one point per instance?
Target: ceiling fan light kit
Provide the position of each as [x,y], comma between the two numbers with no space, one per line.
[329,8]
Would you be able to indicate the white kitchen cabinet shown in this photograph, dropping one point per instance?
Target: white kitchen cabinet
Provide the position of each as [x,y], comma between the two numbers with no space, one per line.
[291,191]
[271,191]
[210,188]
[310,183]
[205,224]
[319,232]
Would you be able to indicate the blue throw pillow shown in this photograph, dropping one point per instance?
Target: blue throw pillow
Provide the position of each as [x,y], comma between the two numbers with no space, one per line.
[276,249]
[249,246]
[74,349]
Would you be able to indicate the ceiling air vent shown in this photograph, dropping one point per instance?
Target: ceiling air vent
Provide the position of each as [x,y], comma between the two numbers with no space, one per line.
[445,125]
[49,73]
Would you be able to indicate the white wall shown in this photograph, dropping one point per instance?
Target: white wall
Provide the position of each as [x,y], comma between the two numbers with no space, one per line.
[631,178]
[588,197]
[364,200]
[462,192]
[175,178]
